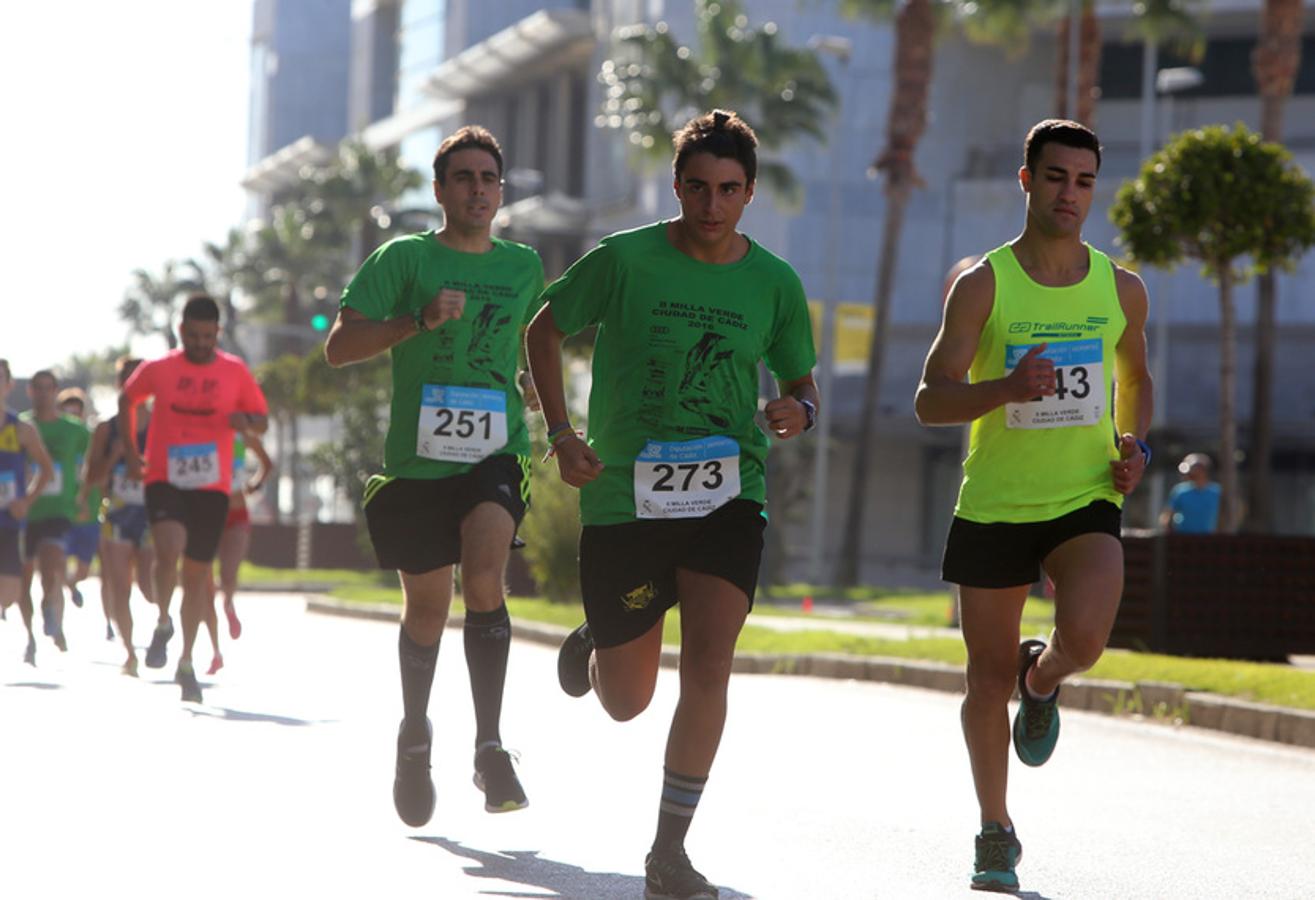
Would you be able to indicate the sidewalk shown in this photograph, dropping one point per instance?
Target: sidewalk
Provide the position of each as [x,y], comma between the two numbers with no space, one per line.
[1170,704]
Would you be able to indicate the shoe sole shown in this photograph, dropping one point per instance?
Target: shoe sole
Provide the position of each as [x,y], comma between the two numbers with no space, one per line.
[995,887]
[566,668]
[654,895]
[509,806]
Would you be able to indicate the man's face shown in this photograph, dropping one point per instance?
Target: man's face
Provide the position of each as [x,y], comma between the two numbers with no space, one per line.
[713,192]
[471,191]
[1199,475]
[43,391]
[1060,188]
[199,340]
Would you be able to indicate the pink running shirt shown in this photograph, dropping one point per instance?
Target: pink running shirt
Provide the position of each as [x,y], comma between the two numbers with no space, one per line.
[189,443]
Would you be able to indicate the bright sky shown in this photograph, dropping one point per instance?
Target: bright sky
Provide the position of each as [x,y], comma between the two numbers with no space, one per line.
[124,137]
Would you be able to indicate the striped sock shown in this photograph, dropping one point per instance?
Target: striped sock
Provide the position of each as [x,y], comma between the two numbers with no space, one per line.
[680,797]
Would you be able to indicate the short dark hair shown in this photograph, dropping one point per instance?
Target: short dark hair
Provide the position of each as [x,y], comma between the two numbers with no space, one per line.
[201,308]
[124,366]
[1059,131]
[44,373]
[721,133]
[467,137]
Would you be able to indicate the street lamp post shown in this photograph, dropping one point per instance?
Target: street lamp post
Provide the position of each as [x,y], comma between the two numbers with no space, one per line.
[842,49]
[1166,82]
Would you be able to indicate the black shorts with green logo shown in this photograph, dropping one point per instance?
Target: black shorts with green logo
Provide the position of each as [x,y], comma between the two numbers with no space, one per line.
[1010,554]
[628,570]
[415,523]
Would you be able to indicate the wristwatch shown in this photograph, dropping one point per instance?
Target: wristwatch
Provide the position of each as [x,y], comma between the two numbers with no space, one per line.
[810,414]
[419,316]
[1145,450]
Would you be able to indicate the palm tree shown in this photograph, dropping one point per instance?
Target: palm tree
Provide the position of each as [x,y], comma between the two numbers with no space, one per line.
[1275,62]
[148,304]
[915,32]
[217,273]
[655,83]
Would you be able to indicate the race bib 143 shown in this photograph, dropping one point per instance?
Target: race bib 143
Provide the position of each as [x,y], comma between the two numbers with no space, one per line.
[1079,397]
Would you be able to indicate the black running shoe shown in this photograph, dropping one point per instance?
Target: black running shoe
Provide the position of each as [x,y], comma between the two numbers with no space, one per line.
[30,656]
[186,679]
[157,653]
[495,776]
[573,661]
[76,596]
[413,789]
[668,875]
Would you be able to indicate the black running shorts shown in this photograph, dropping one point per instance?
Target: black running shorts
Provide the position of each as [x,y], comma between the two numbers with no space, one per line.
[11,558]
[628,571]
[201,513]
[43,531]
[1008,554]
[415,523]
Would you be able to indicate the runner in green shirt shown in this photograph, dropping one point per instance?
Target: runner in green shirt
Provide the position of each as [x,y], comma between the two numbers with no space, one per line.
[451,307]
[671,475]
[1035,338]
[52,514]
[82,542]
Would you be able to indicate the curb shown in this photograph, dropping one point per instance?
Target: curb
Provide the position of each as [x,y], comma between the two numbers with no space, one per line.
[1152,701]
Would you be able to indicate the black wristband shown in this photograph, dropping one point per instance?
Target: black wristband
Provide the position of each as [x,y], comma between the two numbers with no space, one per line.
[810,414]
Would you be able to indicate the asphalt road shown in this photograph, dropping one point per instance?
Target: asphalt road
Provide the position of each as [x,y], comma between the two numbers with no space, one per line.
[280,785]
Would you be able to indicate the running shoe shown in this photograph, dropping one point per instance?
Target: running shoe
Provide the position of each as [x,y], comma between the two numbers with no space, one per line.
[130,668]
[1036,723]
[573,661]
[998,852]
[413,789]
[30,656]
[185,677]
[234,625]
[668,875]
[216,664]
[495,776]
[60,642]
[157,653]
[76,596]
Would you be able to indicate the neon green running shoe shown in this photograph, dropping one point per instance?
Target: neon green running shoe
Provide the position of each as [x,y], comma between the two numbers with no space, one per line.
[998,852]
[1036,723]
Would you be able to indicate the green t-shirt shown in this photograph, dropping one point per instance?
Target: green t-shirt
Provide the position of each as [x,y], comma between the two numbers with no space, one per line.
[66,440]
[455,398]
[675,371]
[94,497]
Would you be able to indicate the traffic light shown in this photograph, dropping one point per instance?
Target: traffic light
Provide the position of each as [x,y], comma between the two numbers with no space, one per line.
[320,322]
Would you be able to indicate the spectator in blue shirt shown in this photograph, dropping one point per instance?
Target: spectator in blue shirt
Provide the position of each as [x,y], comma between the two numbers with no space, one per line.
[1193,506]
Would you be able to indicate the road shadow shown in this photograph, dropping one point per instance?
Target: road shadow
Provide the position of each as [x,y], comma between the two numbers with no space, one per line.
[1029,895]
[36,685]
[242,715]
[569,882]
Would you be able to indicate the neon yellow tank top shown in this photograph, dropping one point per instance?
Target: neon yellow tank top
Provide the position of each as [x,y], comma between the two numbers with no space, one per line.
[1034,461]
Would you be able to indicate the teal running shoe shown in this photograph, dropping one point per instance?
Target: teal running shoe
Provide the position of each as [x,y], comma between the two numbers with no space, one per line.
[998,852]
[1036,723]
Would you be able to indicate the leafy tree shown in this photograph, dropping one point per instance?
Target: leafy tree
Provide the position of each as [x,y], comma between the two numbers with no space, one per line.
[1237,204]
[655,83]
[1274,61]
